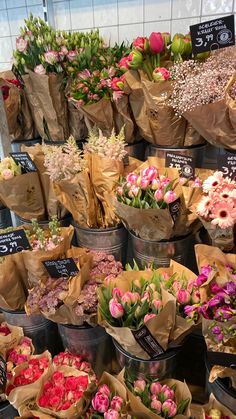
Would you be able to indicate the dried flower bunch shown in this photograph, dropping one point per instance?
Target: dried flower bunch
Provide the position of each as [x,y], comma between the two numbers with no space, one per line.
[112,147]
[63,162]
[196,84]
[47,297]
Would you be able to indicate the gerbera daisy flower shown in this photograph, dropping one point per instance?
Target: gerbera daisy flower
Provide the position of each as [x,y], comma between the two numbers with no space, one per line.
[213,182]
[223,214]
[204,206]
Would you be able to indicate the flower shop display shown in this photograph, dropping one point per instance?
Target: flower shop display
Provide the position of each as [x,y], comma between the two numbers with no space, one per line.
[204,93]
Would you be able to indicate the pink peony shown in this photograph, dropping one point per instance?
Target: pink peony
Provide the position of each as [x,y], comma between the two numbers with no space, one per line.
[100,402]
[169,197]
[155,387]
[169,408]
[104,389]
[183,296]
[21,44]
[156,42]
[160,74]
[150,173]
[7,174]
[51,57]
[111,414]
[72,55]
[116,308]
[116,403]
[148,316]
[39,69]
[139,386]
[156,405]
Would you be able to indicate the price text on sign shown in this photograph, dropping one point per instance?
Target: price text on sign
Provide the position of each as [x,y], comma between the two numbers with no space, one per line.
[27,164]
[61,268]
[227,165]
[13,242]
[213,34]
[185,164]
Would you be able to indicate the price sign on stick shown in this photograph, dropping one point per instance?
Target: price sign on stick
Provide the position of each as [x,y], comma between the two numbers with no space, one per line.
[27,164]
[227,165]
[13,242]
[61,268]
[185,164]
[213,34]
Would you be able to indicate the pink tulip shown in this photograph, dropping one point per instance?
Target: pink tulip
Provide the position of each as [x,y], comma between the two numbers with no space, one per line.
[169,408]
[104,389]
[111,414]
[134,190]
[156,404]
[116,403]
[132,178]
[167,392]
[169,197]
[150,173]
[116,292]
[144,183]
[156,42]
[190,285]
[164,180]
[183,296]
[155,184]
[176,286]
[157,304]
[139,386]
[116,309]
[148,316]
[158,195]
[141,43]
[195,297]
[145,296]
[119,190]
[130,297]
[100,402]
[39,69]
[155,387]
[160,74]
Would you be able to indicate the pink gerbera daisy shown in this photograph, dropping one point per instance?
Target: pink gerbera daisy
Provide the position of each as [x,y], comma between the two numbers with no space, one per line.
[223,214]
[213,182]
[204,206]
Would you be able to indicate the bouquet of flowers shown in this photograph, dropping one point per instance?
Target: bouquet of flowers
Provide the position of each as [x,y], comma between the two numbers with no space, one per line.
[154,399]
[74,361]
[213,410]
[51,243]
[11,91]
[71,182]
[217,209]
[150,203]
[27,378]
[204,94]
[10,336]
[105,159]
[19,192]
[18,354]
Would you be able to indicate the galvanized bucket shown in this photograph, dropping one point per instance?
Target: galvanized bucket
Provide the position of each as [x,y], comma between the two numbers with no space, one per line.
[16,145]
[7,411]
[137,149]
[5,217]
[162,366]
[92,342]
[211,156]
[64,222]
[159,253]
[110,240]
[43,332]
[226,396]
[196,151]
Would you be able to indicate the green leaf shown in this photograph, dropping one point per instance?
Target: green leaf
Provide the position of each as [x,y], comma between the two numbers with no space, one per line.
[182,406]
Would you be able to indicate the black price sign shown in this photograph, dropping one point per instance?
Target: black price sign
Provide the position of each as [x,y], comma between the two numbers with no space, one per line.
[149,344]
[185,164]
[213,34]
[227,165]
[13,242]
[27,164]
[61,268]
[3,373]
[174,208]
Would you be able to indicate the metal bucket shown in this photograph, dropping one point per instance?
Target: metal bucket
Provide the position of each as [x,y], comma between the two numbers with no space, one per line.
[162,366]
[137,149]
[159,253]
[5,218]
[43,332]
[64,222]
[92,342]
[226,396]
[110,240]
[7,411]
[196,151]
[16,145]
[211,156]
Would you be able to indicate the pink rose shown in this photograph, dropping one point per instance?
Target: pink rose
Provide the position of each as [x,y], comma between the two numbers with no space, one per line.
[167,392]
[132,178]
[100,402]
[116,403]
[183,296]
[21,44]
[116,292]
[156,42]
[160,74]
[111,414]
[104,389]
[148,316]
[51,57]
[7,174]
[39,69]
[155,387]
[116,309]
[139,386]
[156,404]
[150,173]
[158,195]
[169,408]
[169,197]
[72,55]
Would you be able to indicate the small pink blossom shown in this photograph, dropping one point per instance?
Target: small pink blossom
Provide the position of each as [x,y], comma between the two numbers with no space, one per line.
[116,308]
[21,44]
[51,57]
[39,69]
[155,387]
[72,55]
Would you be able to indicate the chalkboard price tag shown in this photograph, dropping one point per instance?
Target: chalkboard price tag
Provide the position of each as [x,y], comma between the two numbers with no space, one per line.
[61,268]
[3,374]
[213,34]
[149,344]
[185,164]
[13,242]
[227,165]
[27,164]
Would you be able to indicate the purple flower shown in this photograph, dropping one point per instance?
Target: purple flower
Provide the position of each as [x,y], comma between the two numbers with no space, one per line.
[203,310]
[223,313]
[220,337]
[215,288]
[206,270]
[216,330]
[214,301]
[231,288]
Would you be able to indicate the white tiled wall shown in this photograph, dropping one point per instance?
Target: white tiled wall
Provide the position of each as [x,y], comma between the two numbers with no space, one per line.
[117,20]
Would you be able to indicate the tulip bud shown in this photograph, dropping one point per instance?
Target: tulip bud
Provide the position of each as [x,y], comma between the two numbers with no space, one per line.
[135,59]
[141,44]
[166,37]
[139,386]
[160,74]
[178,46]
[187,46]
[169,408]
[116,308]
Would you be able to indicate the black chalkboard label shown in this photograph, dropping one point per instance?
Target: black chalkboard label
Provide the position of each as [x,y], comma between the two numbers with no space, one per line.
[61,268]
[174,208]
[185,164]
[149,344]
[227,165]
[3,374]
[27,164]
[13,242]
[213,34]
[126,160]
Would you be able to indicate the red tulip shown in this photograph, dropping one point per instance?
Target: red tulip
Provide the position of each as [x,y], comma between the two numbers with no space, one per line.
[156,42]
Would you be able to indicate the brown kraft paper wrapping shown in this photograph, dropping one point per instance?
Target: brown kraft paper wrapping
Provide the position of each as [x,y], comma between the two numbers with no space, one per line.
[222,238]
[228,346]
[160,326]
[53,206]
[216,122]
[21,394]
[33,258]
[12,290]
[23,195]
[192,136]
[77,126]
[105,174]
[12,107]
[99,114]
[214,404]
[11,340]
[34,105]
[218,371]
[122,117]
[206,255]
[29,131]
[78,198]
